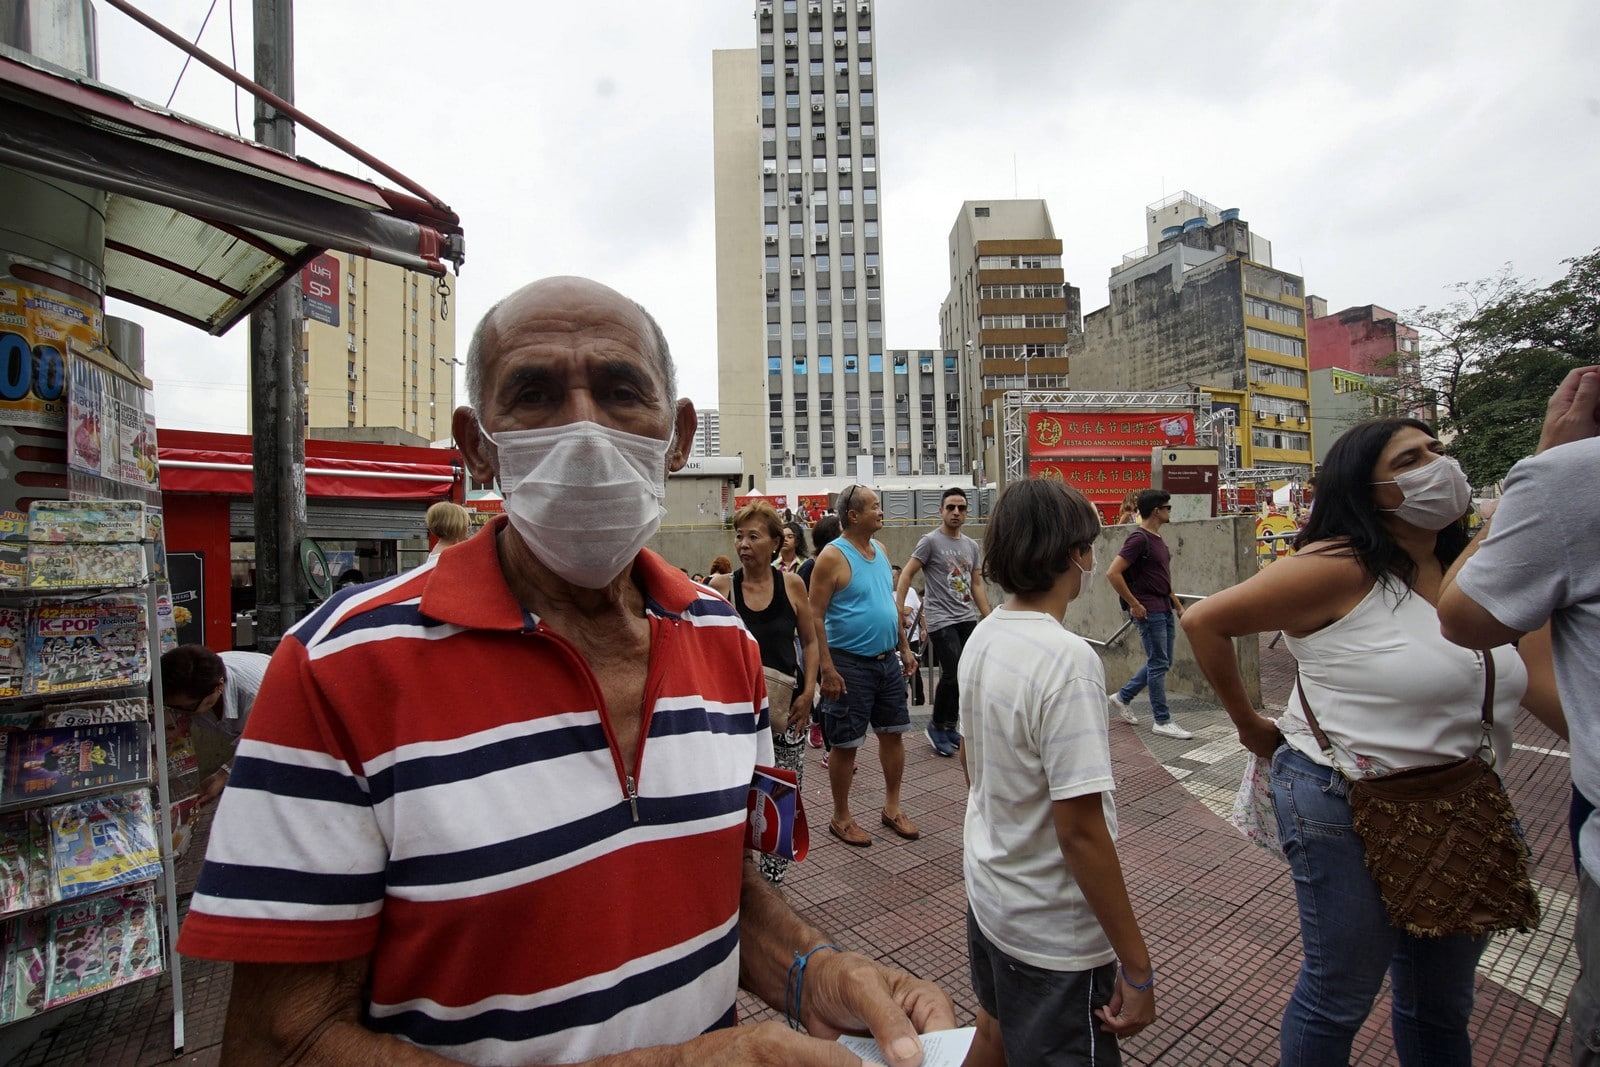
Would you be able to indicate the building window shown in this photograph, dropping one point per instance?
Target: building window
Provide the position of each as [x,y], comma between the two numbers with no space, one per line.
[774,365]
[797,330]
[1023,322]
[816,68]
[1271,342]
[825,366]
[1261,309]
[846,195]
[872,295]
[870,228]
[875,366]
[874,329]
[819,164]
[841,99]
[769,198]
[847,263]
[792,100]
[822,262]
[846,227]
[824,328]
[849,327]
[797,297]
[869,163]
[863,37]
[768,101]
[869,195]
[799,366]
[774,331]
[865,66]
[1288,441]
[980,212]
[851,402]
[1031,261]
[1271,374]
[866,98]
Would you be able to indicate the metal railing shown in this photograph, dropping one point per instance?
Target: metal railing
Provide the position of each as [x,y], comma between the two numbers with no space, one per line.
[1127,624]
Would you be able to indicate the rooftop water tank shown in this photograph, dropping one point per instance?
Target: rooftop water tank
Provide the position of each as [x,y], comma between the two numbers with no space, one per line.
[1196,223]
[1170,232]
[1229,214]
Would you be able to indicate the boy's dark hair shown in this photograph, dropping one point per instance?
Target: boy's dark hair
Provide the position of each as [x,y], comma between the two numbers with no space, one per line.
[1030,530]
[191,672]
[1151,499]
[948,493]
[1345,510]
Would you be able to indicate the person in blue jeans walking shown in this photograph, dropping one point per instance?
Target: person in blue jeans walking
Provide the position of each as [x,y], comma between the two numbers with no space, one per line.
[1142,575]
[1356,604]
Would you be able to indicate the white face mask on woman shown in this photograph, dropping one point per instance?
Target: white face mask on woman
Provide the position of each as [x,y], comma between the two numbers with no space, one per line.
[584,497]
[1434,494]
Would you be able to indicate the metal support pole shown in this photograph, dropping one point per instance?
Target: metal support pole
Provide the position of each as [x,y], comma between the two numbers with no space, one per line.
[277,373]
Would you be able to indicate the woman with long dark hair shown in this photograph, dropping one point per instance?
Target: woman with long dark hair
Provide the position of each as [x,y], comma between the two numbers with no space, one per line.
[792,552]
[1356,603]
[776,611]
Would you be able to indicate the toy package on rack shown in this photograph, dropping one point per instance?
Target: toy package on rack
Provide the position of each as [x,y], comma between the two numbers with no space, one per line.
[166,619]
[63,565]
[77,964]
[102,843]
[94,643]
[60,761]
[24,861]
[86,521]
[27,964]
[155,525]
[13,642]
[133,935]
[13,549]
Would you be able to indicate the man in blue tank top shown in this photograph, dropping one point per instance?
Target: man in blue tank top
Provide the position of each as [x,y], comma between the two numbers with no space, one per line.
[865,660]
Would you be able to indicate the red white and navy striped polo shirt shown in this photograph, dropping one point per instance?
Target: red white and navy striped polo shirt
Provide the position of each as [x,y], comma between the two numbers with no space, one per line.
[427,779]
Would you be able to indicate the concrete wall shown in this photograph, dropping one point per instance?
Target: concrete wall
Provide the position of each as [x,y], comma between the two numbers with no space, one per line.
[1207,556]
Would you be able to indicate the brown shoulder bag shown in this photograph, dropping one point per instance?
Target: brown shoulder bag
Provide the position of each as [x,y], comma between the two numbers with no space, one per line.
[1442,842]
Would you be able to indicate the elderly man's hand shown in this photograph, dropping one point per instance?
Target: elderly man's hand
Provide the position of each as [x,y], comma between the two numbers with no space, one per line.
[832,684]
[845,992]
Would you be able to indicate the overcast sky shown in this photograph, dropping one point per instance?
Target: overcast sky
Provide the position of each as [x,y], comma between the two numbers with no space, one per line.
[1387,150]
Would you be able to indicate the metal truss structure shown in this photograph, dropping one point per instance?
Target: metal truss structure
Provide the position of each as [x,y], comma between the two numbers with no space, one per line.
[1016,404]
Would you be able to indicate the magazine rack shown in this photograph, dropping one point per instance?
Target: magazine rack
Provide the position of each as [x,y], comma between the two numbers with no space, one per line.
[84,924]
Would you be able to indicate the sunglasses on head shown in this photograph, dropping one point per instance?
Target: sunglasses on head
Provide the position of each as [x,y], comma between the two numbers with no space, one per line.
[845,499]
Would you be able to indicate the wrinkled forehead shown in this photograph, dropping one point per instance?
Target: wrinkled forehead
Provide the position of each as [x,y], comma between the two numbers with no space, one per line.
[548,319]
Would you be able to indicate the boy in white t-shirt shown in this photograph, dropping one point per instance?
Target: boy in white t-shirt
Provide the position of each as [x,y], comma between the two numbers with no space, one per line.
[1048,915]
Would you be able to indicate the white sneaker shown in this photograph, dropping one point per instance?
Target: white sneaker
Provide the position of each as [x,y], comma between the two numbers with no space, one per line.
[1127,713]
[1171,729]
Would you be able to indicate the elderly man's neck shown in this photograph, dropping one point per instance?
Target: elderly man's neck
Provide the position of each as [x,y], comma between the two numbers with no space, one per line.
[546,594]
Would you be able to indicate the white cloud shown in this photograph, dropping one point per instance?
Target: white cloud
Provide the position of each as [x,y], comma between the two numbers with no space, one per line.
[1387,150]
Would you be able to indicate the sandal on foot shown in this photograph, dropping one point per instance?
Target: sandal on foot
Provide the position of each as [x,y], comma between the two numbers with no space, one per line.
[850,833]
[902,825]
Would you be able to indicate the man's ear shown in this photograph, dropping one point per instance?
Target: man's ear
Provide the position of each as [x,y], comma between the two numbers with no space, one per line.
[475,449]
[684,423]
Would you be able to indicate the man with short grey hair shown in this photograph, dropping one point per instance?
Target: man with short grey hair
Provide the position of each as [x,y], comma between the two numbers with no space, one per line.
[494,810]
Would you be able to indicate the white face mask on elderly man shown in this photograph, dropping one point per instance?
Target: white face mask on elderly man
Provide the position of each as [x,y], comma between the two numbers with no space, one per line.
[1434,495]
[584,497]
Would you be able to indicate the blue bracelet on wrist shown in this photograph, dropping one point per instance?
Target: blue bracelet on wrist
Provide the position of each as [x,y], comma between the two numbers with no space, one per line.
[795,986]
[1135,985]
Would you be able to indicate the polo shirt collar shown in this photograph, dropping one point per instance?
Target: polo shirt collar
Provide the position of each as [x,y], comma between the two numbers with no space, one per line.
[468,588]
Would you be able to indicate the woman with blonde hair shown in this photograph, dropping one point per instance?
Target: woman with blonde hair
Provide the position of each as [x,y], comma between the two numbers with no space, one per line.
[448,524]
[777,612]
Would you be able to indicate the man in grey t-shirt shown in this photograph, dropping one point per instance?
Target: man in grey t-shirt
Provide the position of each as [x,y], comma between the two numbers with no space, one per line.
[953,599]
[1541,561]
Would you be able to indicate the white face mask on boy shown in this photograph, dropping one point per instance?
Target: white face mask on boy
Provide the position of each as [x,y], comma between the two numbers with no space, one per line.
[1433,495]
[1086,576]
[584,497]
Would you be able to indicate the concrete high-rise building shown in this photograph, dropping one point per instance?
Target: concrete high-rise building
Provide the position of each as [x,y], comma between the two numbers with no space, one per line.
[379,344]
[806,389]
[708,434]
[1010,312]
[1201,305]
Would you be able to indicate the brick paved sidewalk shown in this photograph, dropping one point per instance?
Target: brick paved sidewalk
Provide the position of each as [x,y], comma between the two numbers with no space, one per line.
[1218,912]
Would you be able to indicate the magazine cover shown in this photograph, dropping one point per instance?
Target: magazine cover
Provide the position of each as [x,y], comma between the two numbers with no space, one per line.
[13,639]
[86,392]
[86,644]
[102,843]
[24,862]
[60,761]
[86,521]
[61,565]
[26,965]
[93,712]
[13,549]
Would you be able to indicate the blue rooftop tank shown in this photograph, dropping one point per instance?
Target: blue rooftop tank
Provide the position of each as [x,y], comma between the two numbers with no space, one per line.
[1229,214]
[1170,232]
[1196,223]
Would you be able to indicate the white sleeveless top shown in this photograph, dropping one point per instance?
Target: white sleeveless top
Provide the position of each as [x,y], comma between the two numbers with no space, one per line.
[1391,692]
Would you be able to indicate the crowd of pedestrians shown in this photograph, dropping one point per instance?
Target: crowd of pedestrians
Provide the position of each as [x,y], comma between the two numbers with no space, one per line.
[550,859]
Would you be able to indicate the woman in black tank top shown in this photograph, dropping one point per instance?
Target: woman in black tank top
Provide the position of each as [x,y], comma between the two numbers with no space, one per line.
[775,609]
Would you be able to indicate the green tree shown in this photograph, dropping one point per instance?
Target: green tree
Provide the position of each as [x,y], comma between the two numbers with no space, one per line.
[1491,358]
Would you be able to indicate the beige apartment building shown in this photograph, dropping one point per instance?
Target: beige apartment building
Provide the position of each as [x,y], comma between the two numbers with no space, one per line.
[380,346]
[1010,314]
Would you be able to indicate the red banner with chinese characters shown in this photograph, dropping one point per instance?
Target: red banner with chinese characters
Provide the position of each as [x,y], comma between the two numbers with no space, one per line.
[1103,482]
[1053,433]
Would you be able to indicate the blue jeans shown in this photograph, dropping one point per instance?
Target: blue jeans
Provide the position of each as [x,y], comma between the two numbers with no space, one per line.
[1156,632]
[1349,942]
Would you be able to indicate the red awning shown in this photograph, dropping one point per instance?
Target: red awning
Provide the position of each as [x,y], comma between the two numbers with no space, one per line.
[210,466]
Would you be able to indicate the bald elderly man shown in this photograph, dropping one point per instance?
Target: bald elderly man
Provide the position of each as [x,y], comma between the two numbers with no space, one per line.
[492,810]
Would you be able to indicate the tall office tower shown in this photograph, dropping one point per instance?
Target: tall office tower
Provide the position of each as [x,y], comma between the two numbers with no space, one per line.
[708,434]
[1201,305]
[1010,312]
[379,344]
[802,378]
